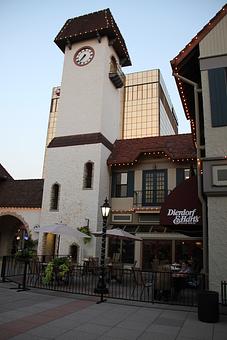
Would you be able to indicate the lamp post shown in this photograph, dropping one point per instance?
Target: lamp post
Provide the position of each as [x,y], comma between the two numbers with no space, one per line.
[101,285]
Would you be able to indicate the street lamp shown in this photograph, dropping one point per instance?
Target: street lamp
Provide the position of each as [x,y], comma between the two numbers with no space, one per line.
[101,285]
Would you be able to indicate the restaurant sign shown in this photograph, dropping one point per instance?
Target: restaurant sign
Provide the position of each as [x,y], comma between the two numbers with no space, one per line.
[182,206]
[184,216]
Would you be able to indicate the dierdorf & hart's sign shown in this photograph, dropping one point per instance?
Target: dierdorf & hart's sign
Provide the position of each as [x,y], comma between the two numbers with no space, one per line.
[183,216]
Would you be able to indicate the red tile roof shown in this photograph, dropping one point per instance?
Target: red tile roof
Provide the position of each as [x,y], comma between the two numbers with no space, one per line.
[174,147]
[21,193]
[94,25]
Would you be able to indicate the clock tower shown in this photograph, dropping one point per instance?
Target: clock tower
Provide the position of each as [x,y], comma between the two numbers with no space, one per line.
[75,170]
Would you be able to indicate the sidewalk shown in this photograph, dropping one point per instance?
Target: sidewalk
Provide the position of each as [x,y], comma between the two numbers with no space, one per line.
[39,314]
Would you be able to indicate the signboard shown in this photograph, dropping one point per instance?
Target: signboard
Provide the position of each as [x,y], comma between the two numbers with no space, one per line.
[182,206]
[184,216]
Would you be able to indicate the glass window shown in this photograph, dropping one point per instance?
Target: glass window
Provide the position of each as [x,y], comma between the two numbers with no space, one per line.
[218,96]
[54,196]
[123,184]
[121,187]
[154,187]
[125,249]
[88,175]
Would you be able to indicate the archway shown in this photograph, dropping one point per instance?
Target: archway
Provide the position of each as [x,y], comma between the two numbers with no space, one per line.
[12,232]
[74,252]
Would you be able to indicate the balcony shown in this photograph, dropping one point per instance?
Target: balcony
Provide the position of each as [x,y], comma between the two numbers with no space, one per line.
[116,76]
[149,198]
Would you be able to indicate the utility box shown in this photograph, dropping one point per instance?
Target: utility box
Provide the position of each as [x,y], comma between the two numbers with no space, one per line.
[208,306]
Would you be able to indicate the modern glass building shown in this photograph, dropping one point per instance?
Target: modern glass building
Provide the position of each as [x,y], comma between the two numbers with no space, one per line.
[147,110]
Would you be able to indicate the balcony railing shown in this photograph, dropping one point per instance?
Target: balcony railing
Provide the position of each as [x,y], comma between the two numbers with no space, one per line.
[116,76]
[149,198]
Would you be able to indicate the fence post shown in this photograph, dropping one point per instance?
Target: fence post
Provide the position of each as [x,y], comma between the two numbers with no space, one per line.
[3,271]
[24,277]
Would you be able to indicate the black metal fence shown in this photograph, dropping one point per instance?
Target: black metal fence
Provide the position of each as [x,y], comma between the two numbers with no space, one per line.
[128,284]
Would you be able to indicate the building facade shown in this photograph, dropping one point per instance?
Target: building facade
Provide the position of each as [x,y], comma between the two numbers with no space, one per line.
[100,144]
[145,174]
[203,93]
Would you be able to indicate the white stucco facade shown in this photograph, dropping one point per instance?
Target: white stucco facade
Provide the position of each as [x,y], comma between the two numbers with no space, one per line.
[89,102]
[213,49]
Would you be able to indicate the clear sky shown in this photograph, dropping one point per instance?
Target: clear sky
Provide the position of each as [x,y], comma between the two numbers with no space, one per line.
[31,64]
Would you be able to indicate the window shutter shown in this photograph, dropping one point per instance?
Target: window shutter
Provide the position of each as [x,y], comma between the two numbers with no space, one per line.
[218,96]
[113,185]
[179,175]
[130,184]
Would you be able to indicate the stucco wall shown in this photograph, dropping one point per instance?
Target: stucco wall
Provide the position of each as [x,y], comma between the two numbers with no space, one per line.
[214,45]
[65,166]
[217,218]
[89,102]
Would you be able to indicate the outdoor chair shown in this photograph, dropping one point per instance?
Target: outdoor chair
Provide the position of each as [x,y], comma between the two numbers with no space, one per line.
[143,282]
[163,283]
[93,265]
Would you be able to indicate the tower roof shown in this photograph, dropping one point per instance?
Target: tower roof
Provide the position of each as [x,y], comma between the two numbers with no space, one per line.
[94,25]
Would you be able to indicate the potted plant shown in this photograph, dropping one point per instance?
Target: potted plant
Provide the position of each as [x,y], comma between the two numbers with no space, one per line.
[57,269]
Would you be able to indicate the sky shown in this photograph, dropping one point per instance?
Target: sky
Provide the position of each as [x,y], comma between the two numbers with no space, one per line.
[31,63]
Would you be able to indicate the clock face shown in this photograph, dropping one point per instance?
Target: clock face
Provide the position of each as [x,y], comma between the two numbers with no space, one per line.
[84,56]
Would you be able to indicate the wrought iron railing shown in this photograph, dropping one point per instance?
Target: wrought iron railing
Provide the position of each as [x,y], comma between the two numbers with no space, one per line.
[146,198]
[128,284]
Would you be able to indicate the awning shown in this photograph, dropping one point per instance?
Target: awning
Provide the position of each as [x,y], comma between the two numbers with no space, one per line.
[182,207]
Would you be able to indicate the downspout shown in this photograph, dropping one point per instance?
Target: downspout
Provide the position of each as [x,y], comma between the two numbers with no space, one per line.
[197,90]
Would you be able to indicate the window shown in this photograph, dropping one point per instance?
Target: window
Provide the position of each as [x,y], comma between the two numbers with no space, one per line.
[184,173]
[219,175]
[121,218]
[122,184]
[54,196]
[218,96]
[88,175]
[54,105]
[154,187]
[121,187]
[125,249]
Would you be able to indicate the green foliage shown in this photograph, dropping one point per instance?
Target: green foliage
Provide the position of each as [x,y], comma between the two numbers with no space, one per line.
[29,250]
[59,266]
[49,273]
[86,231]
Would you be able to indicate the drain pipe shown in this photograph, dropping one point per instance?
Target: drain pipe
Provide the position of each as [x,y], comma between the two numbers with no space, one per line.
[197,90]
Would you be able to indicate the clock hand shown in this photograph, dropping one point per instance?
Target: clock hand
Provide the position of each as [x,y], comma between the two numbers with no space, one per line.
[82,57]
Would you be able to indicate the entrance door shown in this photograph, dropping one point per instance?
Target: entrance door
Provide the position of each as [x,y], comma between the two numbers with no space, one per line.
[154,187]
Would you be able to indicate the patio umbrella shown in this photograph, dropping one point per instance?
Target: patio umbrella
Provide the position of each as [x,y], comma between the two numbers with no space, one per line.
[118,233]
[62,229]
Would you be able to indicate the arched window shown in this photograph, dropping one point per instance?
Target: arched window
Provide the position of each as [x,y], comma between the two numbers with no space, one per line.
[88,175]
[54,196]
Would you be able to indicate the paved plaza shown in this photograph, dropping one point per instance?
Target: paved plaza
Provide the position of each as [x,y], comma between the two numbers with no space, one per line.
[38,314]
